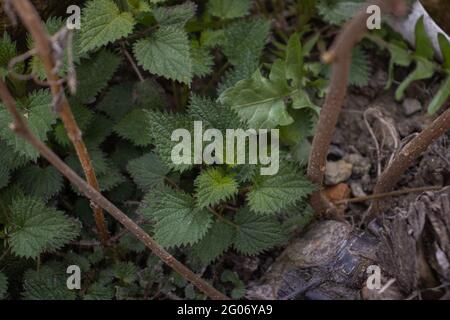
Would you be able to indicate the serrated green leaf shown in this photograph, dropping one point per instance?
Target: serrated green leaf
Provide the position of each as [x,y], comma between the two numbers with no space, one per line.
[359,68]
[134,127]
[238,45]
[256,233]
[35,228]
[7,52]
[150,95]
[214,186]
[163,124]
[218,239]
[440,97]
[202,61]
[37,110]
[259,101]
[177,221]
[229,9]
[49,283]
[3,286]
[270,194]
[166,53]
[125,272]
[147,171]
[175,16]
[99,129]
[95,73]
[99,291]
[118,101]
[238,73]
[103,23]
[336,12]
[42,183]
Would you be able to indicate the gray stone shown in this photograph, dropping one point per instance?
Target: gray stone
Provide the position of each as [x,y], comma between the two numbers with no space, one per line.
[357,189]
[411,106]
[337,172]
[361,165]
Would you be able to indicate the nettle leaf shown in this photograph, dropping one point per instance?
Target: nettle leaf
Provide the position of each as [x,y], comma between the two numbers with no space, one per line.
[147,171]
[39,182]
[175,16]
[218,239]
[166,53]
[336,12]
[36,228]
[7,52]
[177,221]
[49,283]
[214,186]
[99,129]
[271,194]
[37,110]
[256,233]
[149,94]
[229,9]
[359,68]
[238,45]
[260,101]
[202,60]
[125,272]
[5,175]
[99,291]
[238,73]
[134,127]
[95,73]
[213,114]
[3,286]
[163,124]
[104,23]
[139,6]
[118,101]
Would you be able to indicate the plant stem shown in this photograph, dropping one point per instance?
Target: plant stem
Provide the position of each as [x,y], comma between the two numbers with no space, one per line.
[20,127]
[35,27]
[340,54]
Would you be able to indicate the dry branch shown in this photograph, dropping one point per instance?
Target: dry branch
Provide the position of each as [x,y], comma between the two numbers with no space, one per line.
[340,55]
[406,157]
[43,44]
[19,126]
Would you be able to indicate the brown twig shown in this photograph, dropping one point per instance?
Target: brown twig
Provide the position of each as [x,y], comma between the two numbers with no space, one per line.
[133,64]
[386,195]
[406,157]
[20,127]
[43,43]
[340,55]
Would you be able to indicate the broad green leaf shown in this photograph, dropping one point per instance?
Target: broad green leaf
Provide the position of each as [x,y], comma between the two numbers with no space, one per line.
[271,194]
[259,101]
[294,60]
[134,127]
[166,53]
[218,239]
[35,228]
[399,56]
[256,233]
[37,110]
[202,61]
[336,12]
[177,221]
[102,23]
[125,272]
[229,9]
[147,171]
[175,16]
[42,183]
[48,283]
[214,186]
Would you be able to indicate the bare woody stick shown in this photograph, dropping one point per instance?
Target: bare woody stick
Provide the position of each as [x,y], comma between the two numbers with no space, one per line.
[19,126]
[340,55]
[406,157]
[33,23]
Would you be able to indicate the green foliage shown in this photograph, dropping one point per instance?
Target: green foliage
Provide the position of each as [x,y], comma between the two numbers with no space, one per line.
[229,9]
[214,186]
[37,110]
[175,16]
[103,23]
[38,182]
[336,12]
[35,228]
[238,291]
[270,194]
[166,53]
[147,171]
